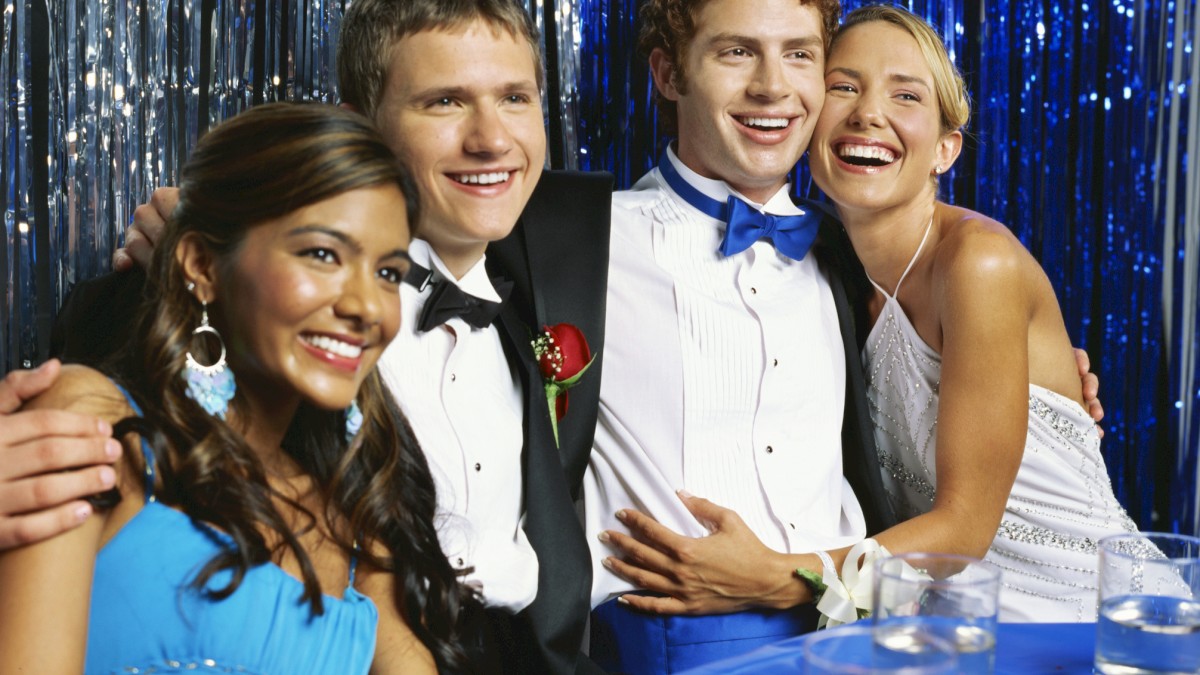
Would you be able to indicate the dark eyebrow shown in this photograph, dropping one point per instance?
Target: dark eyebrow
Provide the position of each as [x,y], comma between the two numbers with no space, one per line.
[807,42]
[732,38]
[345,239]
[463,92]
[848,72]
[327,231]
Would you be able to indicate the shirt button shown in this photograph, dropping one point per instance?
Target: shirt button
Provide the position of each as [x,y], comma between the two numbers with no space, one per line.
[453,377]
[478,466]
[775,362]
[770,449]
[753,291]
[460,562]
[792,525]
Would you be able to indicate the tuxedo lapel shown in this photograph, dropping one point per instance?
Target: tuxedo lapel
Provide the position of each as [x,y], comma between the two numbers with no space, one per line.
[556,617]
[559,268]
[860,461]
[562,265]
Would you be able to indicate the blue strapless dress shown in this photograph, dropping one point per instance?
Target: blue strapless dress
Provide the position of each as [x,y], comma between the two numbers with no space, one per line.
[146,617]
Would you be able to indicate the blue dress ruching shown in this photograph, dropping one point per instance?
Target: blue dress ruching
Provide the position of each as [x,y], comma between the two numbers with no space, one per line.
[146,617]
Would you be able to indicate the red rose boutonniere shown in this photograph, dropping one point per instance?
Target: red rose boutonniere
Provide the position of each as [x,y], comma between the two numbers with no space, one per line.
[563,356]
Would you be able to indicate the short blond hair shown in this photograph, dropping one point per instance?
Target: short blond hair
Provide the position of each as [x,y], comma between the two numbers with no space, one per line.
[953,102]
[371,28]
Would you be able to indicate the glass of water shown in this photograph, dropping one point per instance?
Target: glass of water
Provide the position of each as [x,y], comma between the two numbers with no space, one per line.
[956,598]
[852,650]
[1149,604]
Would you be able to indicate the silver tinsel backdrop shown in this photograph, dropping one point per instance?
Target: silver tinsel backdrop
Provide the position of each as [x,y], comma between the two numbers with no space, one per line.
[1086,132]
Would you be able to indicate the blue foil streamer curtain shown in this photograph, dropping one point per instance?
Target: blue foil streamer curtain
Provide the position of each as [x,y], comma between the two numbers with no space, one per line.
[1086,129]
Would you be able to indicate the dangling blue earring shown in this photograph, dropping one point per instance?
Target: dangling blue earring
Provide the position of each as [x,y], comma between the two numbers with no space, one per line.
[354,420]
[210,386]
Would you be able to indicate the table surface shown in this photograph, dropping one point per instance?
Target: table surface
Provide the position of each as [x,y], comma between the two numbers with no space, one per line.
[1021,649]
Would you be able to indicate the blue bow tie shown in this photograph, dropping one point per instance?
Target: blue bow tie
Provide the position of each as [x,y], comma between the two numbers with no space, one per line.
[791,235]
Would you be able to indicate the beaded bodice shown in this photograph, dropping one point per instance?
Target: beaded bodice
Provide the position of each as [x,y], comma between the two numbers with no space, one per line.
[1061,502]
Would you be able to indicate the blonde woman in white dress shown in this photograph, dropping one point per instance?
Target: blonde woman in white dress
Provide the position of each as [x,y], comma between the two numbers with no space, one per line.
[985,443]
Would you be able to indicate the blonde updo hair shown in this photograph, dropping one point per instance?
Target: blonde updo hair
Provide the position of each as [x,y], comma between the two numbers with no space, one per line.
[953,103]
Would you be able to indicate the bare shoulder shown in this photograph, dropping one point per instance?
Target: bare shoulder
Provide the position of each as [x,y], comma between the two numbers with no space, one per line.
[977,251]
[85,390]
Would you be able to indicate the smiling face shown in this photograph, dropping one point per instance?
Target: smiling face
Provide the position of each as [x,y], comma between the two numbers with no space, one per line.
[752,93]
[308,301]
[879,138]
[462,109]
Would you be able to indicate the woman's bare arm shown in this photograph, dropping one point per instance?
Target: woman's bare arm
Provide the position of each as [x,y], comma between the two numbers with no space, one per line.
[45,587]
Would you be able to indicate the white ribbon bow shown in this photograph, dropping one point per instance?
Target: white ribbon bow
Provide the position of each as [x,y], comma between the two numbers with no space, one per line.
[848,598]
[845,596]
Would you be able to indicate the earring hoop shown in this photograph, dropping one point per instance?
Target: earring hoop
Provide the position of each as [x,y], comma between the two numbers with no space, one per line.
[203,328]
[211,386]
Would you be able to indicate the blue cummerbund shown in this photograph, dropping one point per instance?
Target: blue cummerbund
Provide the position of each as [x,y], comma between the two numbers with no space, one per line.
[627,641]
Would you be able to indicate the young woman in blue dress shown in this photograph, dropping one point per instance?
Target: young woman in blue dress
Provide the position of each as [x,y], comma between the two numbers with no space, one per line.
[273,513]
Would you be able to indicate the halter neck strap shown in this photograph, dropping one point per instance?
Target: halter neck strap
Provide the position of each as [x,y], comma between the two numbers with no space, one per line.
[907,269]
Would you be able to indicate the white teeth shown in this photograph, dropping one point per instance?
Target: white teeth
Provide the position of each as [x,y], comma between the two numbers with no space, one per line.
[866,152]
[334,346]
[767,122]
[483,178]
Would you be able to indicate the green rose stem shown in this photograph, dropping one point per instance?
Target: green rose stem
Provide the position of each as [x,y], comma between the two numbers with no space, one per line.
[556,388]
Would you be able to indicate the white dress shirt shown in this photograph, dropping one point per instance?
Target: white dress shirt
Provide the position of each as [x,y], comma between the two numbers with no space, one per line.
[463,401]
[722,376]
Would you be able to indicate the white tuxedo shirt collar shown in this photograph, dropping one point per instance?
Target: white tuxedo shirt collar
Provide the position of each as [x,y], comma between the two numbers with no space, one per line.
[779,204]
[474,282]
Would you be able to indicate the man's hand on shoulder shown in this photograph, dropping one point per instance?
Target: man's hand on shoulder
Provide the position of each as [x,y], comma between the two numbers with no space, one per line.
[143,233]
[1091,387]
[49,461]
[730,570]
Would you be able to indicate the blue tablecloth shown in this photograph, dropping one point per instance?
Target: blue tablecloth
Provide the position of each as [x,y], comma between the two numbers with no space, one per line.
[1021,649]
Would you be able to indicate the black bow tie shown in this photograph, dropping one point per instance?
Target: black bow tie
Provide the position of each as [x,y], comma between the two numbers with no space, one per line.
[447,301]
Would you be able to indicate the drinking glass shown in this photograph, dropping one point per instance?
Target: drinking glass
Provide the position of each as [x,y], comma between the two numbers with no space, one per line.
[1149,604]
[852,650]
[957,598]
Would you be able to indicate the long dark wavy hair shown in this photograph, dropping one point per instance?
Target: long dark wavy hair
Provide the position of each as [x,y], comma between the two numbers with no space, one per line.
[377,489]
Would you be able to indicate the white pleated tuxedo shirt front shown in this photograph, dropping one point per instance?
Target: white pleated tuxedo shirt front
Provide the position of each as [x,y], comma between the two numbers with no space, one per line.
[463,400]
[723,376]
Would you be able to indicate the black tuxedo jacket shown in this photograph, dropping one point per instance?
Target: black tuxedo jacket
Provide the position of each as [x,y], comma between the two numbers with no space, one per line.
[98,318]
[557,259]
[851,290]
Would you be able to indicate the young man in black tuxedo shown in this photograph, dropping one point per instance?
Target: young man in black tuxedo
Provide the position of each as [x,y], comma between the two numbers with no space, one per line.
[455,89]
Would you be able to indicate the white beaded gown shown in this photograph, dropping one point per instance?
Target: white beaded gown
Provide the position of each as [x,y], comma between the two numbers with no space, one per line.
[1061,504]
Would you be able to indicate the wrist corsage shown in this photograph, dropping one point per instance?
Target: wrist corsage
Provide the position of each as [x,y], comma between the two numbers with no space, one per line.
[563,357]
[847,598]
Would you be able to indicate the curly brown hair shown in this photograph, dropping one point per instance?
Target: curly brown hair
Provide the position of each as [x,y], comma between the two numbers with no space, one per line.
[376,489]
[670,25]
